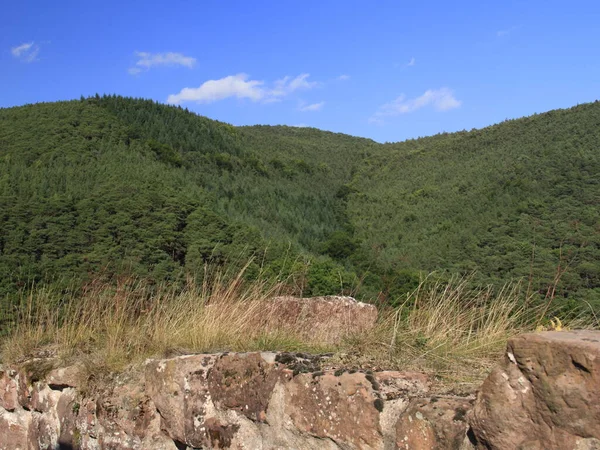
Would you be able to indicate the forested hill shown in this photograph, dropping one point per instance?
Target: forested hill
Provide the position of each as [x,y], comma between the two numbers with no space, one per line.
[109,186]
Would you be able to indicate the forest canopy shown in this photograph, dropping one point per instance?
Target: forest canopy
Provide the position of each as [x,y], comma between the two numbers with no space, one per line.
[108,186]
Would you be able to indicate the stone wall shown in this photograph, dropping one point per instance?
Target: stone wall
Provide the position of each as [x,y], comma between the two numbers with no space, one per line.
[544,395]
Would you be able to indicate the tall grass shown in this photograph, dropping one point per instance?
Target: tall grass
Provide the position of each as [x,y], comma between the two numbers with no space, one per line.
[451,329]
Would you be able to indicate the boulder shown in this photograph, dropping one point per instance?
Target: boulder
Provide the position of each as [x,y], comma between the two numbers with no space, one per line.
[327,319]
[545,394]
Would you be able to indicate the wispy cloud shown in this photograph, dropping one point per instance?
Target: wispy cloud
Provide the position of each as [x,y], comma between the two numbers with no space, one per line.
[343,77]
[26,52]
[439,99]
[505,33]
[240,86]
[147,60]
[311,107]
[410,63]
[287,85]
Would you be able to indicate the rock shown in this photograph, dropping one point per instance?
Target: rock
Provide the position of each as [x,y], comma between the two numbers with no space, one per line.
[65,377]
[43,399]
[544,395]
[433,423]
[391,384]
[244,382]
[327,319]
[66,410]
[14,430]
[9,389]
[342,408]
[44,431]
[125,416]
[28,374]
[179,389]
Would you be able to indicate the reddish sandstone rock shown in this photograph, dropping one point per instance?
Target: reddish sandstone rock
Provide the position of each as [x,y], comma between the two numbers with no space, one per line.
[244,382]
[9,389]
[14,430]
[65,377]
[179,389]
[545,394]
[44,430]
[433,423]
[392,384]
[326,318]
[66,410]
[343,408]
[43,399]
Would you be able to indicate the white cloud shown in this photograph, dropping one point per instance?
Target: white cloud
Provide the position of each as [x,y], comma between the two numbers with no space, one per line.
[343,77]
[26,52]
[311,107]
[240,86]
[287,85]
[440,99]
[412,62]
[213,90]
[146,60]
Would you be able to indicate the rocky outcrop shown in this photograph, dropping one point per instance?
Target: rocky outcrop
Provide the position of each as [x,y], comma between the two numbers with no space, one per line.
[543,396]
[327,318]
[258,400]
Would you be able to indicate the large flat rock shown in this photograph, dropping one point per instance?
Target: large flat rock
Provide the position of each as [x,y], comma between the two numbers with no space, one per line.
[327,319]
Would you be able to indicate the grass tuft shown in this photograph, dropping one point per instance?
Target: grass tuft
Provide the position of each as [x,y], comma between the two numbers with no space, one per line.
[450,329]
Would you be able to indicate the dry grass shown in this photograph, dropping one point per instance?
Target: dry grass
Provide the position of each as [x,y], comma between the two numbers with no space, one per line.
[112,327]
[450,329]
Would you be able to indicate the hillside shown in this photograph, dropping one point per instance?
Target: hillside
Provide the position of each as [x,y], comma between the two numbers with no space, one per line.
[518,199]
[108,187]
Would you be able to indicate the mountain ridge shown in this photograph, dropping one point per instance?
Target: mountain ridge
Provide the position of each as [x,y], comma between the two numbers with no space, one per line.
[94,186]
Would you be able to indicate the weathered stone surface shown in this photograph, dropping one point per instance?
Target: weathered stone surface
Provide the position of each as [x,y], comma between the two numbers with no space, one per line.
[9,389]
[44,430]
[23,389]
[342,408]
[179,389]
[545,394]
[43,399]
[391,384]
[327,318]
[28,374]
[433,423]
[65,377]
[14,430]
[244,382]
[66,411]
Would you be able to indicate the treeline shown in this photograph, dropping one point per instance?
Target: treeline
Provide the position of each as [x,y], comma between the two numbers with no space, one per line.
[109,187]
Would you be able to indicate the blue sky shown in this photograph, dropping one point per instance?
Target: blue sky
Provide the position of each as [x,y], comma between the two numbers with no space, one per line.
[388,70]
